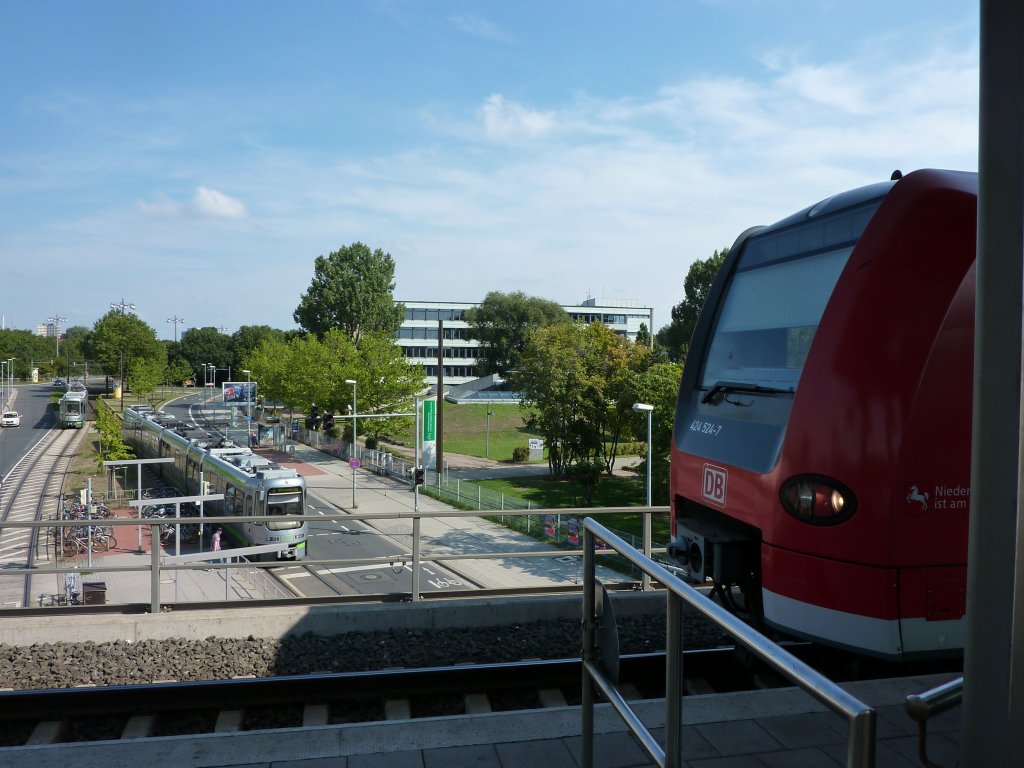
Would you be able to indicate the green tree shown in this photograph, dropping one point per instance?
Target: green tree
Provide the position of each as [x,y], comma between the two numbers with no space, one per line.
[112,445]
[386,383]
[145,375]
[575,385]
[121,338]
[658,385]
[306,370]
[179,371]
[352,289]
[674,338]
[247,339]
[643,336]
[206,345]
[503,321]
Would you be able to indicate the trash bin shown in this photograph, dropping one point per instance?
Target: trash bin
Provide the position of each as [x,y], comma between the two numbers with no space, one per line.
[94,593]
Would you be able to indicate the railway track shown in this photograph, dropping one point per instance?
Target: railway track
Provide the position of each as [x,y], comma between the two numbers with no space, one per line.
[31,491]
[89,714]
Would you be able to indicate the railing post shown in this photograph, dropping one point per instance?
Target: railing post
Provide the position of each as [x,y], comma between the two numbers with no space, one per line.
[674,681]
[645,579]
[589,650]
[416,559]
[154,569]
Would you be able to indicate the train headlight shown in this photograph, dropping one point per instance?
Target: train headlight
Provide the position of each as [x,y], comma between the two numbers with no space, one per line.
[817,500]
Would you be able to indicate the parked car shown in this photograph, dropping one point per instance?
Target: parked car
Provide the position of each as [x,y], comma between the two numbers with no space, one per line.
[10,419]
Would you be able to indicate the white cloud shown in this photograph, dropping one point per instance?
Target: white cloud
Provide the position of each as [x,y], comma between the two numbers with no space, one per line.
[206,203]
[213,204]
[506,120]
[479,27]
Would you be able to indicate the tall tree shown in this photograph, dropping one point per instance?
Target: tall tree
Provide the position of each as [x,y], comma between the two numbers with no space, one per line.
[387,383]
[210,346]
[246,339]
[503,322]
[674,338]
[574,381]
[352,289]
[121,338]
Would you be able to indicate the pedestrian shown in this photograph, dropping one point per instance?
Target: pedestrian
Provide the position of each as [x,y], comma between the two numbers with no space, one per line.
[215,542]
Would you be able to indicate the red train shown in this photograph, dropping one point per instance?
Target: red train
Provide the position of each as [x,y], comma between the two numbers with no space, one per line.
[822,441]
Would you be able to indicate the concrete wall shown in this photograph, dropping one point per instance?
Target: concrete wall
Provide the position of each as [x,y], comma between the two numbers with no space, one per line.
[320,620]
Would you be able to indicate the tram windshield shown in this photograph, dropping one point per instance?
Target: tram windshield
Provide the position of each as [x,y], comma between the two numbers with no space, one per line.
[284,502]
[782,282]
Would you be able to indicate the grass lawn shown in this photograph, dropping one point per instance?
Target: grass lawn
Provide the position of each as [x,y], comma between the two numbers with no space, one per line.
[465,430]
[543,492]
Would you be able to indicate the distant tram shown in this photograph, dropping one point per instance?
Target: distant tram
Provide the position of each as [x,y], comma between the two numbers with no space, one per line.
[252,484]
[71,409]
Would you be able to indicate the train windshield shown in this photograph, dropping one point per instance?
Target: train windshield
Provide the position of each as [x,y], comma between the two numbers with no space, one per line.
[783,279]
[284,502]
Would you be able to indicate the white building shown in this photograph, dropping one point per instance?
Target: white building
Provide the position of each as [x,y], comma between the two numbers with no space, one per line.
[418,335]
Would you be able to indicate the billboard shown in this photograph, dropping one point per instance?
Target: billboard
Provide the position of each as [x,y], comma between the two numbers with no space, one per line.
[239,392]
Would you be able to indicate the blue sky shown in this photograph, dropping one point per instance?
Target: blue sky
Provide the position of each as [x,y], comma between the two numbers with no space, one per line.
[194,158]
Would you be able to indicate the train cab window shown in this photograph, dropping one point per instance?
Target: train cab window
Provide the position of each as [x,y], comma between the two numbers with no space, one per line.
[284,502]
[781,284]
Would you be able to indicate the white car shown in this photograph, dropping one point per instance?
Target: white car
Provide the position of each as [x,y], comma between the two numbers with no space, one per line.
[10,419]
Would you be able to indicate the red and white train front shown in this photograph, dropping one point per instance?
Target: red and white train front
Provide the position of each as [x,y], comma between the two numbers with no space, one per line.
[821,451]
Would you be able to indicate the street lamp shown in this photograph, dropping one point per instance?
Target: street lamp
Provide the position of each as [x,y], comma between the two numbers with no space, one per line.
[648,409]
[645,582]
[122,306]
[487,439]
[56,320]
[353,460]
[10,376]
[175,320]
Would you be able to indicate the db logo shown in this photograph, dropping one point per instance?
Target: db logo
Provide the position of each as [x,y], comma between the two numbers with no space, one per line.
[715,480]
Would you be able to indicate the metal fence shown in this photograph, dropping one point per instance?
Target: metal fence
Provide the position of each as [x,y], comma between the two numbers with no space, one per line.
[599,672]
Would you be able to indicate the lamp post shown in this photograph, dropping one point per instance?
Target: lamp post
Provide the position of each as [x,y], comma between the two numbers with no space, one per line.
[487,438]
[645,582]
[248,405]
[122,307]
[10,376]
[175,320]
[3,383]
[353,461]
[56,320]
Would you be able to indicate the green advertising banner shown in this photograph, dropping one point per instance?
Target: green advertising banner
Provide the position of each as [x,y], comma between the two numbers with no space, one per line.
[429,421]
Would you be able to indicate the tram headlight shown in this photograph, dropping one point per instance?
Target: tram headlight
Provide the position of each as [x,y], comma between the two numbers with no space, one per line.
[817,499]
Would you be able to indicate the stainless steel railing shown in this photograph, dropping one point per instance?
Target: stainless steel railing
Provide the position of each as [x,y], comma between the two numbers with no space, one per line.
[860,717]
[923,706]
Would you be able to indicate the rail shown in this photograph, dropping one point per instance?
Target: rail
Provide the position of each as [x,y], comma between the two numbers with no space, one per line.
[923,706]
[598,670]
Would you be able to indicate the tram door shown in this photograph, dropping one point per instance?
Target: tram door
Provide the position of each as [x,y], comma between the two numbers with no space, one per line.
[252,530]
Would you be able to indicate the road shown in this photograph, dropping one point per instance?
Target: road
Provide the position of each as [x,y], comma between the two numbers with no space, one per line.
[32,401]
[334,539]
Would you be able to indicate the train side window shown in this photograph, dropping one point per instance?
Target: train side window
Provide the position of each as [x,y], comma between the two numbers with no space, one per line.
[248,505]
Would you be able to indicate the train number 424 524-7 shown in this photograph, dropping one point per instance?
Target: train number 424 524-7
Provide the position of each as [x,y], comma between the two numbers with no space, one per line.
[705,427]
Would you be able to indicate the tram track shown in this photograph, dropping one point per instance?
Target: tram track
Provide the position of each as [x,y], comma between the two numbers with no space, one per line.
[32,490]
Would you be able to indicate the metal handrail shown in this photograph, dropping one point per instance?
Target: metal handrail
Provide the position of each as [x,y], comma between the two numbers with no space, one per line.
[860,717]
[923,706]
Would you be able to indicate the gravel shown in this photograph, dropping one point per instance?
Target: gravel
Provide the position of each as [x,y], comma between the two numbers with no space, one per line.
[62,665]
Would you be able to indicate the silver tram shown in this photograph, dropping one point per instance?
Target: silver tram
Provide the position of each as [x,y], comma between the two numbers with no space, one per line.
[252,484]
[71,409]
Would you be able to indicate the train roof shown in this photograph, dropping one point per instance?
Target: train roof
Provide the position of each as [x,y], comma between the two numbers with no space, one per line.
[75,395]
[219,449]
